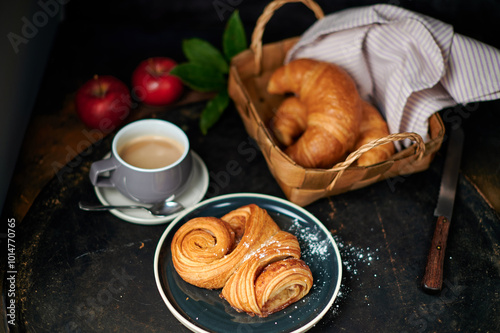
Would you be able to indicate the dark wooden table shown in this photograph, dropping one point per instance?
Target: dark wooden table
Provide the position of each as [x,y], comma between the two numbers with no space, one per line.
[69,261]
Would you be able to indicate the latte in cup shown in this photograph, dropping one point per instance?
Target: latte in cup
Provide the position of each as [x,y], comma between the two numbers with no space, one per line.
[150,160]
[151,151]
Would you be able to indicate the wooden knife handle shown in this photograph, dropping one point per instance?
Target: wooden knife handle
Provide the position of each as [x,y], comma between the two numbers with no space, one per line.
[433,277]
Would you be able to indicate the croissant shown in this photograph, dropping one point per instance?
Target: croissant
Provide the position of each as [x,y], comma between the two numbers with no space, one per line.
[206,250]
[372,127]
[289,121]
[270,279]
[245,253]
[333,110]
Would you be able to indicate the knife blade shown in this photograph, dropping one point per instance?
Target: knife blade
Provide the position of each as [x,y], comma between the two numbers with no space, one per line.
[433,278]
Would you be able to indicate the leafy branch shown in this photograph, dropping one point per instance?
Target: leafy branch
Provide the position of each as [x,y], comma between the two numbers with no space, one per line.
[207,68]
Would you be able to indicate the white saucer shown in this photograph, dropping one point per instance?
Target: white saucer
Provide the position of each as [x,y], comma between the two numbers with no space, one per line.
[195,191]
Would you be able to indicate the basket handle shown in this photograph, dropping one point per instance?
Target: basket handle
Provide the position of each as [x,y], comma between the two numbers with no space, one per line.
[256,45]
[341,167]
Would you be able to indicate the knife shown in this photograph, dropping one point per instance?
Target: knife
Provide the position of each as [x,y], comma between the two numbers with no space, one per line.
[433,277]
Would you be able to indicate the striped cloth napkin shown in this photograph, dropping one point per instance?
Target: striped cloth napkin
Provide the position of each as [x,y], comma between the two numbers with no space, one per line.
[408,64]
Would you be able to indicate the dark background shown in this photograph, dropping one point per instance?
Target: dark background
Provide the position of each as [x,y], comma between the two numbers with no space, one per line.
[111,37]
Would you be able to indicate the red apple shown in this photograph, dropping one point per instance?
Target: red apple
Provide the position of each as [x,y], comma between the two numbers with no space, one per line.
[103,102]
[153,84]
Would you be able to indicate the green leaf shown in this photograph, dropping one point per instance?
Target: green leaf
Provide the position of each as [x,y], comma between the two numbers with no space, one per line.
[201,52]
[213,110]
[199,77]
[234,39]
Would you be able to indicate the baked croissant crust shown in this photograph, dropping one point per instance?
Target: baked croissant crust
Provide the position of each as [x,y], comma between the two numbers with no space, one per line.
[245,253]
[333,110]
[372,127]
[206,251]
[270,279]
[289,121]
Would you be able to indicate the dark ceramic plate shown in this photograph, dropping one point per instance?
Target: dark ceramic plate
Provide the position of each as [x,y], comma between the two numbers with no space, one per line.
[202,310]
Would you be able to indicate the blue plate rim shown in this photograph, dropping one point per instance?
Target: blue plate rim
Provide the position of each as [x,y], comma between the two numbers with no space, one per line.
[188,324]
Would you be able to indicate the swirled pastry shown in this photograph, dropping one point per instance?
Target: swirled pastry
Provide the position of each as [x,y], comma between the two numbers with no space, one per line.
[245,253]
[270,279]
[206,251]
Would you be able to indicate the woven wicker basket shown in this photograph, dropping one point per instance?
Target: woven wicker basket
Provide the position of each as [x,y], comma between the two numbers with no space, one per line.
[248,78]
